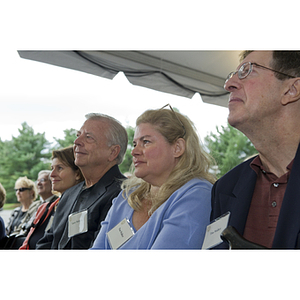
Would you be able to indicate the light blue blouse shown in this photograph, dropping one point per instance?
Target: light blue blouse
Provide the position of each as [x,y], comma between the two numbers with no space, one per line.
[179,223]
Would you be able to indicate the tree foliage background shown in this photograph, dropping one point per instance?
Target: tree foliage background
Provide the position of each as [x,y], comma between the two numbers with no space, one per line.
[24,155]
[30,152]
[127,162]
[229,147]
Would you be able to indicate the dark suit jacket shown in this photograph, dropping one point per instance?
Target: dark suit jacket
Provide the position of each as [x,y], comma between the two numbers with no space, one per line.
[233,192]
[98,204]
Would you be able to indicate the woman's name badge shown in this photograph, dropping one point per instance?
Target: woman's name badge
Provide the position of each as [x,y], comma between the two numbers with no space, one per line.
[120,234]
[214,230]
[77,223]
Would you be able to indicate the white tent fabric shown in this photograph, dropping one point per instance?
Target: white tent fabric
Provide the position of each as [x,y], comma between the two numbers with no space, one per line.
[182,73]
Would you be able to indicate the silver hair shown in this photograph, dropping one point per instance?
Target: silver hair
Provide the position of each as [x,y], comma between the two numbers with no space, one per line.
[45,172]
[116,133]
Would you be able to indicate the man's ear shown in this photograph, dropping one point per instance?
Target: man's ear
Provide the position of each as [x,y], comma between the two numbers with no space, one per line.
[114,152]
[179,147]
[293,93]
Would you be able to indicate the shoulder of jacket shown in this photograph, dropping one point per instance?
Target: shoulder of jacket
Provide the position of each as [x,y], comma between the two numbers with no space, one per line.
[17,209]
[36,203]
[71,190]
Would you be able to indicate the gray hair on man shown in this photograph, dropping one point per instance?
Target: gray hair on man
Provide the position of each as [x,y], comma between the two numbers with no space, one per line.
[47,172]
[116,134]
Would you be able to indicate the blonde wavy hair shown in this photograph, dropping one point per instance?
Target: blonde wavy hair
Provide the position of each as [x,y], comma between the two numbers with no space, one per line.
[194,163]
[27,183]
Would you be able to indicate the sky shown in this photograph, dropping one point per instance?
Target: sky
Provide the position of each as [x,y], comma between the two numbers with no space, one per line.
[51,99]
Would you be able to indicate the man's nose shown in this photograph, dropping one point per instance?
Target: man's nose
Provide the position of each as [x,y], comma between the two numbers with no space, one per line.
[232,83]
[78,140]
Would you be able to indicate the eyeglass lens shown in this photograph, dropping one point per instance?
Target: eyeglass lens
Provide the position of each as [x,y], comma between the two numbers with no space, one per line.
[42,180]
[244,70]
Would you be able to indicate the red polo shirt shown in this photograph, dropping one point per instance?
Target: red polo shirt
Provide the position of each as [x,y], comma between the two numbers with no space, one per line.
[265,205]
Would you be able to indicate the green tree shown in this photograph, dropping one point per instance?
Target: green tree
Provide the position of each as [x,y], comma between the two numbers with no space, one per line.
[70,136]
[228,147]
[126,164]
[24,155]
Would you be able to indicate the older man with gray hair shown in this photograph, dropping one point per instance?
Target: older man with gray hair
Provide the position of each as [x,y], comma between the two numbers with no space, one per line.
[99,148]
[44,186]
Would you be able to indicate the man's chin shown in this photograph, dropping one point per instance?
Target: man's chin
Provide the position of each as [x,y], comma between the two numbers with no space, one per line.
[78,163]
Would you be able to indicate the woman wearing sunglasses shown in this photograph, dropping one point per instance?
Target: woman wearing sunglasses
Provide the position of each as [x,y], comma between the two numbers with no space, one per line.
[22,216]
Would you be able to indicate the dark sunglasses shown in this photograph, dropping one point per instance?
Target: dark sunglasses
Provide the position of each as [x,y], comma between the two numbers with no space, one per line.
[22,189]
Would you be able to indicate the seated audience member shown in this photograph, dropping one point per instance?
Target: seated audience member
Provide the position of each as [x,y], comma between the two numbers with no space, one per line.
[99,148]
[2,225]
[64,175]
[166,203]
[44,186]
[23,216]
[262,193]
[2,232]
[2,196]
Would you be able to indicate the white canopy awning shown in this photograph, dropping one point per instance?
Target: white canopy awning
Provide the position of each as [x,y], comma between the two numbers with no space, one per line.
[182,73]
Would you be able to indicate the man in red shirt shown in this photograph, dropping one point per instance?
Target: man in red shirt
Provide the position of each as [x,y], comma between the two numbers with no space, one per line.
[262,194]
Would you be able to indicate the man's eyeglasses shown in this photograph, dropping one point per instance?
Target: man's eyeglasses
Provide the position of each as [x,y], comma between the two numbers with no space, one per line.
[42,180]
[176,117]
[22,189]
[246,68]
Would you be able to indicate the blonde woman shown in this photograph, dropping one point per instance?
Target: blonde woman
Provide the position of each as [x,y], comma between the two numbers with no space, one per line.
[22,216]
[166,203]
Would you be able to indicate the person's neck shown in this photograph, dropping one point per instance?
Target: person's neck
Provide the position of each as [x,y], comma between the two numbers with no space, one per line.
[275,159]
[154,190]
[26,205]
[276,139]
[276,150]
[46,196]
[93,175]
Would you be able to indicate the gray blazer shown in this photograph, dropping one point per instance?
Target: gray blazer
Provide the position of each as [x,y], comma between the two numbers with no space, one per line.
[97,204]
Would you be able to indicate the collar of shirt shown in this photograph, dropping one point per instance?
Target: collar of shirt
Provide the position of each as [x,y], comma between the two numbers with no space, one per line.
[257,166]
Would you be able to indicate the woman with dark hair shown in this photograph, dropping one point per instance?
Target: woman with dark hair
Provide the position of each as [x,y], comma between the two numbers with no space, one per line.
[166,203]
[64,175]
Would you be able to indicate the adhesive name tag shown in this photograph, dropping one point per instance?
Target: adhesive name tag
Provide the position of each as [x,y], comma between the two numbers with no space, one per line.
[120,234]
[214,230]
[77,223]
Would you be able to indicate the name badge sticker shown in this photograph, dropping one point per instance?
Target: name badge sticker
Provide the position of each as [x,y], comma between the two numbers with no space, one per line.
[214,230]
[77,223]
[120,234]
